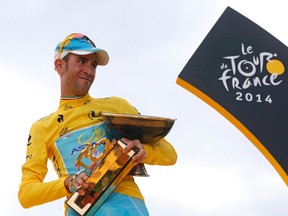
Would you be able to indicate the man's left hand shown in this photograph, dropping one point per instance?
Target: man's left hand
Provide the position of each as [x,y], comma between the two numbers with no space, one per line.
[140,156]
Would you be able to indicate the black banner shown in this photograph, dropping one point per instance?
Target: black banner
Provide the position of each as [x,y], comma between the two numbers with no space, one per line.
[241,71]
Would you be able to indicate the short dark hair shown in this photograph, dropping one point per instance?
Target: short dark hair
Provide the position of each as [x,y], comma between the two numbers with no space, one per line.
[66,58]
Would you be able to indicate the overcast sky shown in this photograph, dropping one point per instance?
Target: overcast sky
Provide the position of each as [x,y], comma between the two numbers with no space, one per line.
[219,171]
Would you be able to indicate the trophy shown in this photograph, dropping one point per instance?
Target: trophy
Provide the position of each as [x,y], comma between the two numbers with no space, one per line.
[113,165]
[147,129]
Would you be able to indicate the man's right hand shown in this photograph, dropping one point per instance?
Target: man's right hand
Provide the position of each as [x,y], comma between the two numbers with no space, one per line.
[77,182]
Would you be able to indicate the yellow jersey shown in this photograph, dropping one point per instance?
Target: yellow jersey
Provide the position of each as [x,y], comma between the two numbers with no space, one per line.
[61,137]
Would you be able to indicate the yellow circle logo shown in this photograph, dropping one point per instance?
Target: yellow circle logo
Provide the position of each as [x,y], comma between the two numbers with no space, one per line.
[275,66]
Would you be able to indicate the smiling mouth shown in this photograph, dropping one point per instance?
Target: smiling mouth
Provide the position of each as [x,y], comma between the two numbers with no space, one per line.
[85,78]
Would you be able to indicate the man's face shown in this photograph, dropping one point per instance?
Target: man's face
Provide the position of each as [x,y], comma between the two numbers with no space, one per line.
[78,74]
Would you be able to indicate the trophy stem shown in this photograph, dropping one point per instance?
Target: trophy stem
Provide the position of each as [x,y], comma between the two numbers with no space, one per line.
[139,170]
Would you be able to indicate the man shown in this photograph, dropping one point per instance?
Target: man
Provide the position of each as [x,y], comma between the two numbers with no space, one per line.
[61,136]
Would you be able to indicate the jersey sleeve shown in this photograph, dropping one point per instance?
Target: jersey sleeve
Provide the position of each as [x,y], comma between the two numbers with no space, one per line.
[33,191]
[160,153]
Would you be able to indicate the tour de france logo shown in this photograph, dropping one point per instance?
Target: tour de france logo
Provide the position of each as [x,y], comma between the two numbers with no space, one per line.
[246,72]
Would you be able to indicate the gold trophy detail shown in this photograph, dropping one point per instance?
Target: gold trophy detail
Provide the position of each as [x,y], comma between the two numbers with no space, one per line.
[113,165]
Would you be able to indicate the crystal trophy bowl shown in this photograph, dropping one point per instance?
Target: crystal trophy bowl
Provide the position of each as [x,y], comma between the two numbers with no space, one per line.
[147,129]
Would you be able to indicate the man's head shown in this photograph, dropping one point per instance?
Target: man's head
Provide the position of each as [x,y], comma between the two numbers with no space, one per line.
[80,44]
[76,59]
